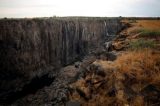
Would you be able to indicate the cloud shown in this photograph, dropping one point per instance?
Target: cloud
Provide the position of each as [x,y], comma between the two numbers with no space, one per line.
[33,8]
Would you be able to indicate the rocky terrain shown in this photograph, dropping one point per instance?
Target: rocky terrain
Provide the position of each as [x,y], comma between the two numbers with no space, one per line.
[33,52]
[132,78]
[118,63]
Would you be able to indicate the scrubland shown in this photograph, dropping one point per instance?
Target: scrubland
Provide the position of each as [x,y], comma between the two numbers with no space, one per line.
[133,79]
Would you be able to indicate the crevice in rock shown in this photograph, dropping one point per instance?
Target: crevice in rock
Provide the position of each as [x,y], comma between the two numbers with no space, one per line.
[31,88]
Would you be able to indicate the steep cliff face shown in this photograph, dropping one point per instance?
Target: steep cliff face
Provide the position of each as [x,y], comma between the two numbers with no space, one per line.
[35,47]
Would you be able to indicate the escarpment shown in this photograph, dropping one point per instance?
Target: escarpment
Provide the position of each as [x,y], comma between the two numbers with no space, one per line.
[31,48]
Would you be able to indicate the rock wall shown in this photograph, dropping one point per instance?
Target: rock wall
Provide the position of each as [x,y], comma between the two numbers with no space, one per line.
[35,47]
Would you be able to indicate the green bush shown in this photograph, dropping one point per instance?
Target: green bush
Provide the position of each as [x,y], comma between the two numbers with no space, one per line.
[141,43]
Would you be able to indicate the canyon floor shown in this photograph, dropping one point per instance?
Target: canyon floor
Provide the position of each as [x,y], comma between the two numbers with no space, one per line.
[123,72]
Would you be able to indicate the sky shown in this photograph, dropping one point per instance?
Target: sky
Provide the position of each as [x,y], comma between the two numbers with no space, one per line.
[100,8]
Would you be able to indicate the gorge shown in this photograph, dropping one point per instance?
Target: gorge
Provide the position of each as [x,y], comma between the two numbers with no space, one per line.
[32,50]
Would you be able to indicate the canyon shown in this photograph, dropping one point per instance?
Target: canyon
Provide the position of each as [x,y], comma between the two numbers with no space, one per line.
[34,51]
[80,61]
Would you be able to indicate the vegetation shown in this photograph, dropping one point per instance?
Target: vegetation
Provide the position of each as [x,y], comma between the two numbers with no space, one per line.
[149,33]
[127,78]
[141,43]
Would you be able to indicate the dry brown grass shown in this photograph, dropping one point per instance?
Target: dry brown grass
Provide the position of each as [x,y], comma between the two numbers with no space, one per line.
[133,70]
[149,24]
[153,25]
[144,64]
[133,79]
[147,30]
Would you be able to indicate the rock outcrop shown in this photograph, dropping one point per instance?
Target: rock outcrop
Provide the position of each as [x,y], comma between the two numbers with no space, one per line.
[31,48]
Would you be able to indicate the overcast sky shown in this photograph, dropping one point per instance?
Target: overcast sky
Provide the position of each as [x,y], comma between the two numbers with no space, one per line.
[44,8]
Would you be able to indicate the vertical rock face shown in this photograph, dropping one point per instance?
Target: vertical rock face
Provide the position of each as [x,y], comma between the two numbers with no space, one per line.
[33,47]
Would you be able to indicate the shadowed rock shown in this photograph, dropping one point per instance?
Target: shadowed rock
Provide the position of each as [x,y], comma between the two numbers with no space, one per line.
[30,46]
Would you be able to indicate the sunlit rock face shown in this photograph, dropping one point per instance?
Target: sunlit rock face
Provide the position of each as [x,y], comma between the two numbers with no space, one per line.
[35,47]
